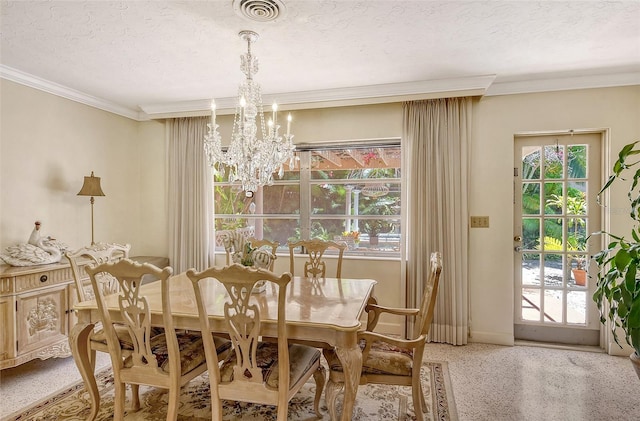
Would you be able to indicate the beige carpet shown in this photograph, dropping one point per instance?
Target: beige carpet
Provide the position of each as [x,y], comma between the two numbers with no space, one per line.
[374,402]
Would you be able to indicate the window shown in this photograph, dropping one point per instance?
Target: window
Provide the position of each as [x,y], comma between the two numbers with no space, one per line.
[341,193]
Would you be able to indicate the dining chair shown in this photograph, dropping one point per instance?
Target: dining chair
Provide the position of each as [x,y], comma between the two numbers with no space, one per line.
[387,359]
[168,360]
[315,248]
[97,254]
[264,372]
[271,246]
[233,242]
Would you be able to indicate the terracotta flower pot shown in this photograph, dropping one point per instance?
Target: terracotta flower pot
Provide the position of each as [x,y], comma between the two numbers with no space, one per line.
[580,276]
[635,359]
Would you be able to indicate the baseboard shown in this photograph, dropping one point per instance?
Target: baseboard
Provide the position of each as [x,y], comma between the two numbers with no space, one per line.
[584,348]
[491,338]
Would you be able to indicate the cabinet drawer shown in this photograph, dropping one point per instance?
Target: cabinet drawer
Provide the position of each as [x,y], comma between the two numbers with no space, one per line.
[42,279]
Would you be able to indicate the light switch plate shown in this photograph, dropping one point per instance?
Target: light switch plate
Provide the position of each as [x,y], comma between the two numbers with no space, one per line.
[479,222]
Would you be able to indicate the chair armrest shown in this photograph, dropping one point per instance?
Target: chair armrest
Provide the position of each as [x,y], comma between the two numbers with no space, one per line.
[370,337]
[375,310]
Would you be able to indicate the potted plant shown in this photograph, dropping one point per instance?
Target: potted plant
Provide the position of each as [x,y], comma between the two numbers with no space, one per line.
[617,291]
[382,206]
[373,227]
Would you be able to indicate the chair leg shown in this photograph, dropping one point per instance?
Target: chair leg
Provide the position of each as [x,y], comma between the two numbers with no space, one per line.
[119,397]
[283,412]
[174,400]
[135,397]
[330,395]
[320,378]
[417,402]
[424,401]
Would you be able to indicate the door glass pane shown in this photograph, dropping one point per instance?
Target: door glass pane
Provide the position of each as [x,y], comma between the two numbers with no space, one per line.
[530,269]
[553,234]
[531,163]
[530,233]
[553,198]
[577,161]
[553,161]
[576,308]
[531,304]
[531,198]
[552,270]
[553,306]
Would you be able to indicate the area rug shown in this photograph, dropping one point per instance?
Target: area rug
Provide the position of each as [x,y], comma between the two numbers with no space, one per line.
[374,402]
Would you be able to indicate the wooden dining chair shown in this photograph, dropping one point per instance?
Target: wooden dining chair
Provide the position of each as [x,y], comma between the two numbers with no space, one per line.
[169,360]
[387,359]
[316,267]
[264,372]
[261,253]
[271,246]
[97,254]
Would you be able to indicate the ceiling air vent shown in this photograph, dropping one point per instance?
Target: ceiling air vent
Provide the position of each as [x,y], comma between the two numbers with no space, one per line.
[260,10]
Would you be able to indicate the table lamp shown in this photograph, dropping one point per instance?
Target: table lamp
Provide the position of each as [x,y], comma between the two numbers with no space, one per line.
[91,187]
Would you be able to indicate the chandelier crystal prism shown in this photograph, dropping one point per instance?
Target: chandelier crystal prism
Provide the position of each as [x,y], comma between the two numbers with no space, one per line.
[250,159]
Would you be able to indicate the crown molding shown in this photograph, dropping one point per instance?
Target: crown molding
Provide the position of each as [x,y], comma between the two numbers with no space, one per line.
[564,84]
[484,85]
[35,82]
[357,95]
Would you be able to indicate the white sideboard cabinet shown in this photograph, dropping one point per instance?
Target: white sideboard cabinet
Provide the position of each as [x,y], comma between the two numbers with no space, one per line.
[36,310]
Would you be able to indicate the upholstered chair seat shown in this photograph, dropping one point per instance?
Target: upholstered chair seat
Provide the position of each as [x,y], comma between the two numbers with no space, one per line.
[383,358]
[301,359]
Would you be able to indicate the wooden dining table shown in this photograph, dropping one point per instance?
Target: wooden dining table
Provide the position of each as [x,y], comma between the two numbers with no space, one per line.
[325,311]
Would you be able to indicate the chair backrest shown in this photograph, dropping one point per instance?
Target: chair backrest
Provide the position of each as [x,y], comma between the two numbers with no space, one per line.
[236,245]
[98,253]
[135,316]
[242,314]
[233,242]
[315,267]
[271,246]
[429,296]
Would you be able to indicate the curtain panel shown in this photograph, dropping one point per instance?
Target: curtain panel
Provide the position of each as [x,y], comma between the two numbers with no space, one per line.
[190,192]
[436,156]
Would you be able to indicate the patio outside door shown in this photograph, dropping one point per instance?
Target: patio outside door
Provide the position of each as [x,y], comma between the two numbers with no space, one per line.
[557,177]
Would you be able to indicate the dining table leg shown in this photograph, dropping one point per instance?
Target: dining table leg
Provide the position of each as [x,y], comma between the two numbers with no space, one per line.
[351,359]
[81,351]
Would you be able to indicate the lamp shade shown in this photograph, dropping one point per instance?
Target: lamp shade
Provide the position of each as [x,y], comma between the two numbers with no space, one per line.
[91,186]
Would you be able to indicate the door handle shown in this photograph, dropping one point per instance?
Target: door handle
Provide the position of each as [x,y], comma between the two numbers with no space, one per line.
[517,249]
[517,238]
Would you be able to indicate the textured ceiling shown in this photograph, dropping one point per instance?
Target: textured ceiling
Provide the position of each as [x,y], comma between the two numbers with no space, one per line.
[140,54]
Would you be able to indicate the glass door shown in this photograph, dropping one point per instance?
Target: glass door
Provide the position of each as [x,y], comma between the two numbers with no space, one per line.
[557,177]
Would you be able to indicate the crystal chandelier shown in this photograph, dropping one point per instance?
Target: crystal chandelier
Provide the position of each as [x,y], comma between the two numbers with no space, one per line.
[250,159]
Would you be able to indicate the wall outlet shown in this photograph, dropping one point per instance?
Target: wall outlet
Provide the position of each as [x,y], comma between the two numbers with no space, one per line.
[479,222]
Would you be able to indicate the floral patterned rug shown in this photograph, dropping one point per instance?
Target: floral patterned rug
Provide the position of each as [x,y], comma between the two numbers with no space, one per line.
[374,402]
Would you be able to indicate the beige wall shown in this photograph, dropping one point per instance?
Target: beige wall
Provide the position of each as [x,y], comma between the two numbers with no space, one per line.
[47,144]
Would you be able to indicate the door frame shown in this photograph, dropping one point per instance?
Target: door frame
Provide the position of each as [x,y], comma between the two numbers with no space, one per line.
[605,219]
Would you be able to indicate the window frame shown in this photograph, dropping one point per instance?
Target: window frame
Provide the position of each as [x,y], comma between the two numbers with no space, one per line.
[305,217]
